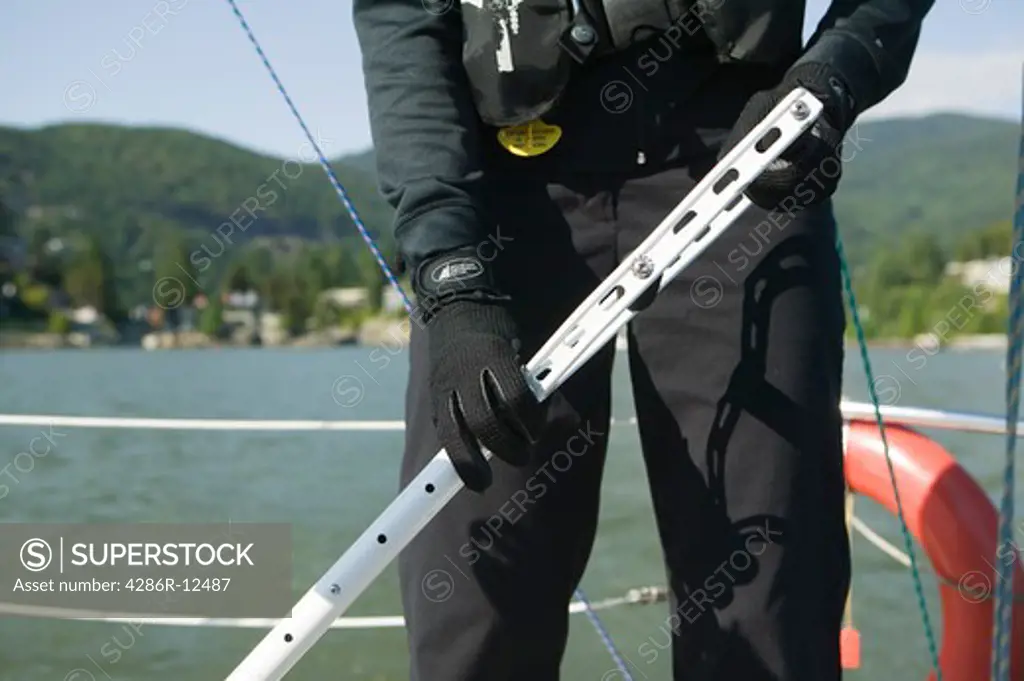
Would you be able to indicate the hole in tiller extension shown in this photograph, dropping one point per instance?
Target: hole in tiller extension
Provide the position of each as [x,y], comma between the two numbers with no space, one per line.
[731,175]
[612,296]
[687,219]
[769,138]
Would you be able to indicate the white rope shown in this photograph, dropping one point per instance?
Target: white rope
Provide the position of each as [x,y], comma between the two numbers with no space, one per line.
[638,596]
[909,416]
[879,541]
[56,421]
[192,424]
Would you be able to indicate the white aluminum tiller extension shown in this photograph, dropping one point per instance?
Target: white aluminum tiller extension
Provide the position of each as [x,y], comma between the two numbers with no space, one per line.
[676,242]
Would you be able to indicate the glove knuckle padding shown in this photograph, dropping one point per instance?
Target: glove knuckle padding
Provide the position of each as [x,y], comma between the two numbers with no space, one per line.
[492,433]
[458,442]
[474,356]
[515,405]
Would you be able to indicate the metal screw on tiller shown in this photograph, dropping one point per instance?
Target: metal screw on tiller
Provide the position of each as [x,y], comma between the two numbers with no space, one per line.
[583,34]
[643,267]
[801,111]
[335,589]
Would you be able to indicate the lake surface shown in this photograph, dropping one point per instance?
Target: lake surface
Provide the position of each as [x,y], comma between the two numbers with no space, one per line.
[330,486]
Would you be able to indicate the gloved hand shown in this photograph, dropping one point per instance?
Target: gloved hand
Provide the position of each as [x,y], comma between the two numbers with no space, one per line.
[478,391]
[810,169]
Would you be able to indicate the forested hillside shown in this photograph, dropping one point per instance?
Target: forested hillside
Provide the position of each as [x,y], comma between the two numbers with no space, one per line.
[127,205]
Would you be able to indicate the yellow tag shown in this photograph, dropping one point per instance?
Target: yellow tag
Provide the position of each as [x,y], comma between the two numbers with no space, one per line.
[530,139]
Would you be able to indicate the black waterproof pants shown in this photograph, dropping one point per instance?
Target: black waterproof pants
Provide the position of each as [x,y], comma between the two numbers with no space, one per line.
[736,374]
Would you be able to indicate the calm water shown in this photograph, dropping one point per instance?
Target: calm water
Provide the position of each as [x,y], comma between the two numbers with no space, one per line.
[331,486]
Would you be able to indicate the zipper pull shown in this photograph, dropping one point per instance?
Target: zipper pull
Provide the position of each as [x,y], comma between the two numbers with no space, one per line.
[641,158]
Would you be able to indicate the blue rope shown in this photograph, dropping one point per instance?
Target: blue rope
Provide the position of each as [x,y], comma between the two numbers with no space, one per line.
[392,279]
[1003,609]
[908,542]
[603,633]
[324,163]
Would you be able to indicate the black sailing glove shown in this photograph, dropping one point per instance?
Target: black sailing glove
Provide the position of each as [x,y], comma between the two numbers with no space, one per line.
[810,169]
[478,391]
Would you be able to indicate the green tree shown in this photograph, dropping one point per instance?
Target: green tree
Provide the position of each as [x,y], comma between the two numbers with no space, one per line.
[211,321]
[277,289]
[996,316]
[298,305]
[6,218]
[7,236]
[993,241]
[923,258]
[47,256]
[90,280]
[316,271]
[58,323]
[176,279]
[371,277]
[238,278]
[259,266]
[339,265]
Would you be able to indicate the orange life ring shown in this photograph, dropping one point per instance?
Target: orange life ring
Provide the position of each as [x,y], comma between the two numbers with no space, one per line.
[955,523]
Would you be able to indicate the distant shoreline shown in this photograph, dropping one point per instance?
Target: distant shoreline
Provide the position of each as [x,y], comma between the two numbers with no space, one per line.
[990,341]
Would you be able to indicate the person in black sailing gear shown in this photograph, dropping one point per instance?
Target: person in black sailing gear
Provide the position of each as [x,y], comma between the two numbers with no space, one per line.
[528,146]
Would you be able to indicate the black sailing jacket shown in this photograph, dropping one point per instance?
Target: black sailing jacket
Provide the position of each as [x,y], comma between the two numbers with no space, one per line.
[429,136]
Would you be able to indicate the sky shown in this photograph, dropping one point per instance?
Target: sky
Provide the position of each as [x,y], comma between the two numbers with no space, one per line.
[188,64]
